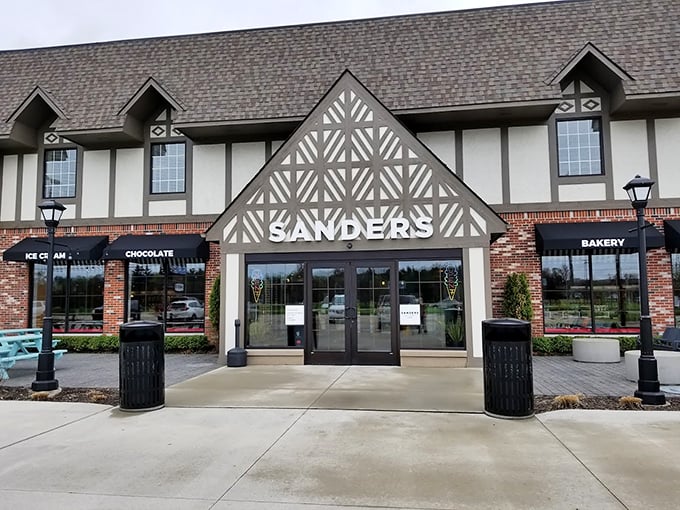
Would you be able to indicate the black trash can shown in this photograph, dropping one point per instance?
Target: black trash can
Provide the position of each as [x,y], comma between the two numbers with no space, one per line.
[508,371]
[142,366]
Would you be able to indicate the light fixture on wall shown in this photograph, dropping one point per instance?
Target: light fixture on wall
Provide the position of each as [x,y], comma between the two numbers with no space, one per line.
[638,190]
[51,212]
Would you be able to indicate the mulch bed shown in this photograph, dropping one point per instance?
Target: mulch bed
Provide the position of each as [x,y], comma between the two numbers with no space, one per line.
[542,403]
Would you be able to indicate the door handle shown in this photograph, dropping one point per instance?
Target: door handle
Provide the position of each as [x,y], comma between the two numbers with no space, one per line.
[350,313]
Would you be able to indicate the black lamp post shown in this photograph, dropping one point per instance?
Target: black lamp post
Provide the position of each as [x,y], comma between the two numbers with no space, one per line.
[648,390]
[51,212]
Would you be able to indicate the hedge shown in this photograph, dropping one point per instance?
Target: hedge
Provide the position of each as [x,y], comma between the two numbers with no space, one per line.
[109,343]
[561,344]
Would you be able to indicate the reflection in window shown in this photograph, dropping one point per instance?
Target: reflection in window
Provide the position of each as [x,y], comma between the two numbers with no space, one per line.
[591,294]
[270,287]
[77,297]
[170,291]
[167,168]
[437,286]
[579,147]
[675,264]
[59,178]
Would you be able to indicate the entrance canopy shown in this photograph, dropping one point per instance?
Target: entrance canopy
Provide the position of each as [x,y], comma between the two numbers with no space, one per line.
[34,249]
[596,237]
[672,229]
[131,247]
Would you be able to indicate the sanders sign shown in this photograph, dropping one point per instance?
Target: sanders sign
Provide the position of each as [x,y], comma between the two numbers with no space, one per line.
[350,230]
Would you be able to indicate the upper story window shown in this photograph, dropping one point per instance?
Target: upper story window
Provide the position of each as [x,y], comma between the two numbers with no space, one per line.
[168,169]
[60,173]
[579,146]
[579,125]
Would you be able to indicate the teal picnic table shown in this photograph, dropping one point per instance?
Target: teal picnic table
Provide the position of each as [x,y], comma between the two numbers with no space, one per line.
[21,344]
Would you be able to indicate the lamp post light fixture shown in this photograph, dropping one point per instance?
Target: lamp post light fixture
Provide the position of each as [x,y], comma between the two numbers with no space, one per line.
[638,190]
[51,212]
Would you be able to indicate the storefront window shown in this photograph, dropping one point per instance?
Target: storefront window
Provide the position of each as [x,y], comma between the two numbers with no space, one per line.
[270,288]
[77,297]
[172,292]
[675,264]
[591,294]
[437,287]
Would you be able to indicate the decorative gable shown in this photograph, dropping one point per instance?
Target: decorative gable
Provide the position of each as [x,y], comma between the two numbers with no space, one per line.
[352,175]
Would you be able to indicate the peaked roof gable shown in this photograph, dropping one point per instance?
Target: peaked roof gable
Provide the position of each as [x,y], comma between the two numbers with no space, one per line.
[34,110]
[598,64]
[144,101]
[352,161]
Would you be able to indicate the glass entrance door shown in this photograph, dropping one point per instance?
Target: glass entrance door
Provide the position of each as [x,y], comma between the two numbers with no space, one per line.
[347,325]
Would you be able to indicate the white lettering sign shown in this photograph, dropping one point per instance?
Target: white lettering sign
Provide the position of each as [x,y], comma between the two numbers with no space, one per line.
[143,254]
[602,243]
[351,229]
[59,255]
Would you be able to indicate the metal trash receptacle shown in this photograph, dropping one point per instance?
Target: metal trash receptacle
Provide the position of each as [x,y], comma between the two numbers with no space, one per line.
[142,366]
[508,370]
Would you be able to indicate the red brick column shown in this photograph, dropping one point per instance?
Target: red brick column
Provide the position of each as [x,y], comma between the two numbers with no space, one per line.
[114,296]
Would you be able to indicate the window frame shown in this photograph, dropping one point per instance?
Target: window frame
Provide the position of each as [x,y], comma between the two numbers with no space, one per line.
[152,170]
[564,120]
[46,160]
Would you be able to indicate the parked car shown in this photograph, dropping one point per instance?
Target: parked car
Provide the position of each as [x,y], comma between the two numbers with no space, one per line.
[336,309]
[189,309]
[38,308]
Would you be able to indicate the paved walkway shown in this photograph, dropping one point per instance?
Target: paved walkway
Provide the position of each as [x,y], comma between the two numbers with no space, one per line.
[553,375]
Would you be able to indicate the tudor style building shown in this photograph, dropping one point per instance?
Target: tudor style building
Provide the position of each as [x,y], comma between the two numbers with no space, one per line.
[364,187]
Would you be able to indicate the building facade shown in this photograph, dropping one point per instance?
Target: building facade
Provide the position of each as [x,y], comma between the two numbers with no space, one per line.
[363,188]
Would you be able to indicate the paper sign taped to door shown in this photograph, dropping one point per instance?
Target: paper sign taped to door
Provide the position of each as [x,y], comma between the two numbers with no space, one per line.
[409,315]
[295,315]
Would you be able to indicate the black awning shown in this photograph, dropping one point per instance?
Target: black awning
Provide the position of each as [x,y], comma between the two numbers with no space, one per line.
[34,249]
[184,246]
[672,230]
[596,237]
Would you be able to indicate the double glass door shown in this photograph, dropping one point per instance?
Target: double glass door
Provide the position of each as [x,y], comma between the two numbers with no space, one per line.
[351,316]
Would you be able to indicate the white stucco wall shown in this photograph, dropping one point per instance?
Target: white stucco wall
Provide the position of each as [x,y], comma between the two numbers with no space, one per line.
[246,161]
[29,187]
[96,184]
[231,283]
[582,192]
[129,187]
[443,145]
[9,188]
[476,298]
[529,164]
[630,154]
[668,157]
[209,179]
[168,208]
[482,163]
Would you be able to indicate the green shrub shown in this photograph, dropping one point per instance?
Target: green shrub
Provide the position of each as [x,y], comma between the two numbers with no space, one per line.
[628,343]
[517,297]
[106,343]
[214,304]
[552,345]
[100,343]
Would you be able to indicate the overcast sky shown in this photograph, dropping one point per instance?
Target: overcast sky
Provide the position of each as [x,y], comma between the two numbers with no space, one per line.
[38,23]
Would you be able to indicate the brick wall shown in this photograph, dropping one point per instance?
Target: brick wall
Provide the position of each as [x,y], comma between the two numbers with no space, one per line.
[516,252]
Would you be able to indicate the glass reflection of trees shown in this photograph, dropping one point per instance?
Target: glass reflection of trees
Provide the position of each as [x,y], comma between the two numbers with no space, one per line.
[590,293]
[77,290]
[270,287]
[152,286]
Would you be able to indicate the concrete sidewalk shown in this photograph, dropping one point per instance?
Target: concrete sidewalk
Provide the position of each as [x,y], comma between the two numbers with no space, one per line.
[315,438]
[553,375]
